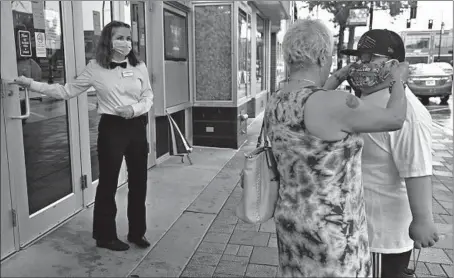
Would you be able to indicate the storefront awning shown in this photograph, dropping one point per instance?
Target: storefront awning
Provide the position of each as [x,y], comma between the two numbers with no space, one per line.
[274,10]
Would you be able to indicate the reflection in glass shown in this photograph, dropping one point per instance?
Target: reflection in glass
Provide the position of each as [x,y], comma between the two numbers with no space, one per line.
[175,41]
[40,55]
[260,38]
[244,54]
[97,14]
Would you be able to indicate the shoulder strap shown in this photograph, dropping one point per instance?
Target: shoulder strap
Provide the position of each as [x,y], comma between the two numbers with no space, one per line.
[263,132]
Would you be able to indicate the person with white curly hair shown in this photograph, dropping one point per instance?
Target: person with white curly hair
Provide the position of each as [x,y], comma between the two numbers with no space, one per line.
[315,137]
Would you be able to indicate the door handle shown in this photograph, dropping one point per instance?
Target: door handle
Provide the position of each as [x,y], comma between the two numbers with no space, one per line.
[27,107]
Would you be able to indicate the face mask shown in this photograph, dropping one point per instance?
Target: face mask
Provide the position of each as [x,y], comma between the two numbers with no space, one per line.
[122,47]
[368,75]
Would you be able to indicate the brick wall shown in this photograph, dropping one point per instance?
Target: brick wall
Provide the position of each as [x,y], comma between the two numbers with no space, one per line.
[273,63]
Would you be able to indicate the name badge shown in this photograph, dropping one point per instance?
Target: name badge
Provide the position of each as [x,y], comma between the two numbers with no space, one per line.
[127,73]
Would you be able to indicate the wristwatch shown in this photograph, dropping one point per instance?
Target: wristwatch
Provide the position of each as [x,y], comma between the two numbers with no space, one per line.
[391,85]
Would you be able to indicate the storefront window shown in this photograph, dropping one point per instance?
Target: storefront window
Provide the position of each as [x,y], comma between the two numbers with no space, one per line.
[417,43]
[446,41]
[244,54]
[260,38]
[135,17]
[280,64]
[175,42]
[97,14]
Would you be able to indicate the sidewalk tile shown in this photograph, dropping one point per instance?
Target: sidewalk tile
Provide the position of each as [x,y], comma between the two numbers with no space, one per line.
[222,275]
[232,249]
[449,253]
[230,267]
[241,226]
[250,238]
[245,251]
[254,270]
[446,243]
[438,218]
[233,258]
[221,228]
[434,255]
[216,237]
[273,241]
[265,255]
[447,206]
[448,269]
[197,270]
[211,247]
[437,208]
[435,269]
[421,269]
[447,218]
[268,226]
[205,259]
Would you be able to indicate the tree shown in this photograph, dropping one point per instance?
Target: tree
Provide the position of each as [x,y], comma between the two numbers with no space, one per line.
[341,11]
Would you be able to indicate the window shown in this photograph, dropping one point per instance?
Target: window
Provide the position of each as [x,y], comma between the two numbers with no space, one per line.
[446,41]
[420,43]
[244,54]
[97,14]
[175,42]
[260,38]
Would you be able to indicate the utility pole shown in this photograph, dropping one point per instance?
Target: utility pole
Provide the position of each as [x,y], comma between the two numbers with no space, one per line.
[371,14]
[439,43]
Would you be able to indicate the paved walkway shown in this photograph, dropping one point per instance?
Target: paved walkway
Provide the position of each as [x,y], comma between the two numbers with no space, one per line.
[232,248]
[194,231]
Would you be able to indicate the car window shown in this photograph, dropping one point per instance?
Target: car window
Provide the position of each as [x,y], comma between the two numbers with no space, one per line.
[426,69]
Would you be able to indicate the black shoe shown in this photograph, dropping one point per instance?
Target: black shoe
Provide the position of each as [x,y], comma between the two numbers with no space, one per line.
[142,242]
[114,245]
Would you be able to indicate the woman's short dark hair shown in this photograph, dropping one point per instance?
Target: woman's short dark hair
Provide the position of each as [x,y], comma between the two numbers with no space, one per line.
[104,48]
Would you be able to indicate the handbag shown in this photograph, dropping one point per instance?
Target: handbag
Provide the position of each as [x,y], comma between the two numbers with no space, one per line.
[260,183]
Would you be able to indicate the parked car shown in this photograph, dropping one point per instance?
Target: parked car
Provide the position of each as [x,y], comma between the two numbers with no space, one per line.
[430,80]
[446,67]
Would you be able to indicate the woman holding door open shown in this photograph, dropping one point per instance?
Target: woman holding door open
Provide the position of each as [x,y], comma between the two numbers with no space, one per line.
[124,96]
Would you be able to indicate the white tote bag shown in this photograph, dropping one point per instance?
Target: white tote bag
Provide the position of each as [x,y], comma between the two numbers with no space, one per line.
[260,183]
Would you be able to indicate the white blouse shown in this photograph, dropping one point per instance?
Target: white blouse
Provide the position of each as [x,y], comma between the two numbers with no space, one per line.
[115,87]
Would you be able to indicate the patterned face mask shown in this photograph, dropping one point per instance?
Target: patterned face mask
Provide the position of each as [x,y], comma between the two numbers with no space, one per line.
[368,75]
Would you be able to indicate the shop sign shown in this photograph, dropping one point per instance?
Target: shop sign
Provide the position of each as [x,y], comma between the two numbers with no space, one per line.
[25,44]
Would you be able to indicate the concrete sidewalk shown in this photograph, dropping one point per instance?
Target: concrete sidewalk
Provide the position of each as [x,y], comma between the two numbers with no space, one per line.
[232,248]
[194,231]
[182,202]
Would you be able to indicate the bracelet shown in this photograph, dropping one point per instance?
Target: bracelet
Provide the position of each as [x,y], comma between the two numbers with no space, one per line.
[391,85]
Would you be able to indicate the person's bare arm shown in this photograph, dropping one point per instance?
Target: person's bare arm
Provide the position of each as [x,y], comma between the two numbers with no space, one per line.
[336,79]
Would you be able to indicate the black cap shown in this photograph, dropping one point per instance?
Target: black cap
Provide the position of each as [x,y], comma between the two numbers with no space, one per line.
[379,41]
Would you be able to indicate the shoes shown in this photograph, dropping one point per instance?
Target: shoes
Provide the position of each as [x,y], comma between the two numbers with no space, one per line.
[114,245]
[141,242]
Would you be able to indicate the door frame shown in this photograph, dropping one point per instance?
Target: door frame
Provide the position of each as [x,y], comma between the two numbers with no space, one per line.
[31,227]
[117,14]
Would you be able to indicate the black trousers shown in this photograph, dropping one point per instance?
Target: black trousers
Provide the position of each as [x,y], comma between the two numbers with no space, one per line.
[118,137]
[390,265]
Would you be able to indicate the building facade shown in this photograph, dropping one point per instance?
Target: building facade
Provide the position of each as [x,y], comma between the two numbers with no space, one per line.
[212,65]
[427,47]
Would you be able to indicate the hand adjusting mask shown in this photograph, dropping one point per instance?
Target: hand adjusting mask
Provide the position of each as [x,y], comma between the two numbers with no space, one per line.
[367,75]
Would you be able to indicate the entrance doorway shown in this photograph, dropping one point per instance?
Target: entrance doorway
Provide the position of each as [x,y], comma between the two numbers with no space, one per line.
[41,134]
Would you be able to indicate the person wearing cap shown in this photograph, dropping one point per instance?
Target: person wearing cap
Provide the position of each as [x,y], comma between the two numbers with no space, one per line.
[396,166]
[124,96]
[315,137]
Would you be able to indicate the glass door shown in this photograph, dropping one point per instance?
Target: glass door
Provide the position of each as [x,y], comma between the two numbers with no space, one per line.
[42,139]
[91,17]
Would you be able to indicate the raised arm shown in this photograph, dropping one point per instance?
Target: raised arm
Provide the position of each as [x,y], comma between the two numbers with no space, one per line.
[355,116]
[72,89]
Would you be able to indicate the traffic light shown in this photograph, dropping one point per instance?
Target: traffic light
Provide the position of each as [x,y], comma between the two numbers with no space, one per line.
[413,9]
[431,23]
[408,23]
[413,12]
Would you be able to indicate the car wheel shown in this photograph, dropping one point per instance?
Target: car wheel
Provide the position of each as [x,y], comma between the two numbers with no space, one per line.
[424,100]
[444,100]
